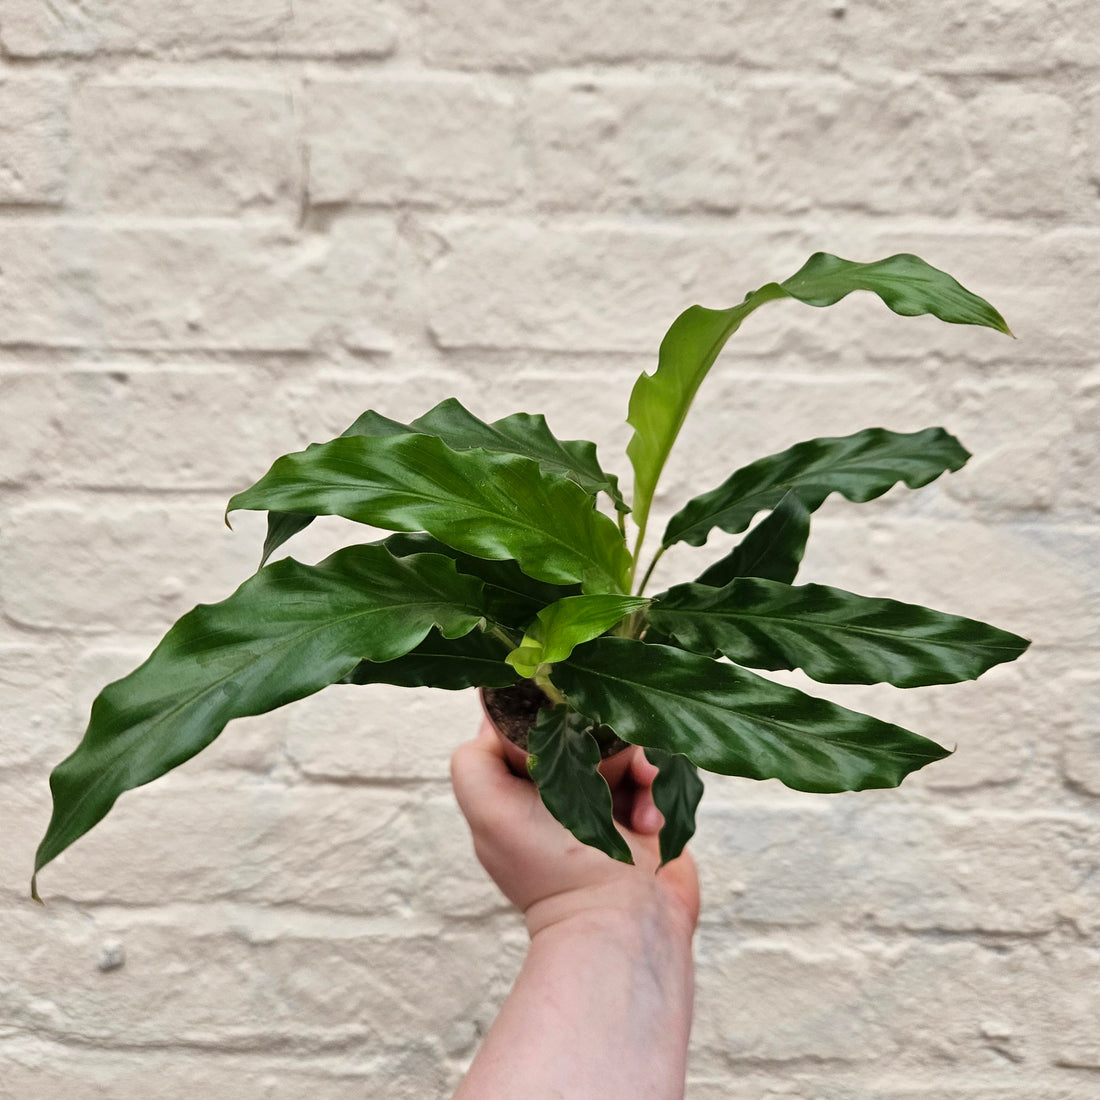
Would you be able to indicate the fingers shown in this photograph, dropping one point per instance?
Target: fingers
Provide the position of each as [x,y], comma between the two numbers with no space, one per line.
[484,787]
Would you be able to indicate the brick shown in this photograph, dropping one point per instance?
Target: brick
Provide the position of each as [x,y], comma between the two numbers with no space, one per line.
[1026,577]
[222,986]
[146,427]
[129,568]
[195,286]
[379,852]
[616,143]
[858,859]
[776,1003]
[542,34]
[1024,157]
[258,27]
[882,147]
[34,139]
[1081,744]
[35,696]
[183,149]
[508,284]
[367,732]
[1081,490]
[411,140]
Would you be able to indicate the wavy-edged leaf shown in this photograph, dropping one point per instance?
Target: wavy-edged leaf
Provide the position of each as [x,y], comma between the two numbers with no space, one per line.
[488,505]
[567,623]
[773,549]
[660,401]
[511,597]
[521,434]
[287,632]
[473,661]
[728,720]
[564,763]
[834,636]
[860,467]
[677,790]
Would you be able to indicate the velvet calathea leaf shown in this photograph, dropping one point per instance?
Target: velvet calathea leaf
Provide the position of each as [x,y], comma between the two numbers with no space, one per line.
[564,761]
[487,505]
[731,721]
[521,434]
[511,597]
[860,467]
[660,401]
[834,636]
[287,632]
[565,624]
[677,790]
[452,664]
[773,549]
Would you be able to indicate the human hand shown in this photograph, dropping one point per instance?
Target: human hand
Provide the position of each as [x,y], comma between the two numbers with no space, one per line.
[547,873]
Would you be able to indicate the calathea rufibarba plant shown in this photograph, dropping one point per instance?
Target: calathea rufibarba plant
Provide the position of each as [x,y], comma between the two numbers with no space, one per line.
[503,569]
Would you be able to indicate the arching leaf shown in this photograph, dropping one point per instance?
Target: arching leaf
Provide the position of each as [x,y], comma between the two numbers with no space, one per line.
[860,467]
[677,790]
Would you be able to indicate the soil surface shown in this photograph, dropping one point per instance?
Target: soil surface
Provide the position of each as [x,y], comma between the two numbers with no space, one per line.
[516,709]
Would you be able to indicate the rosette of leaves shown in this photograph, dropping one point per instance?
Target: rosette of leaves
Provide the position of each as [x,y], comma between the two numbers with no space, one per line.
[512,557]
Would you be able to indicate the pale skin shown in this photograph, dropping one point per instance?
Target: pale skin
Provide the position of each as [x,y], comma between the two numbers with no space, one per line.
[602,1005]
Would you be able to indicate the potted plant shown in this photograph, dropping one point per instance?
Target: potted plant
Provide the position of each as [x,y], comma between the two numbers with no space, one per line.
[503,573]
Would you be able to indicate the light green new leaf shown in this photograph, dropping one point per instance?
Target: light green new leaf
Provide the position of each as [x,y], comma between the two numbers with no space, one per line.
[734,722]
[452,664]
[487,505]
[520,434]
[287,632]
[659,402]
[860,467]
[564,764]
[773,549]
[834,636]
[677,790]
[566,624]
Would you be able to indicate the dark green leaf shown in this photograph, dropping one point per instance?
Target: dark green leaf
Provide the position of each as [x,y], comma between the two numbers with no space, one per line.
[773,549]
[860,467]
[659,402]
[564,764]
[511,597]
[287,632]
[488,505]
[567,623]
[834,636]
[731,721]
[520,434]
[677,790]
[474,660]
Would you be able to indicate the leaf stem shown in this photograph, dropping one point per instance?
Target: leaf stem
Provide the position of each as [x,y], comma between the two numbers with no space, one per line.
[542,679]
[649,571]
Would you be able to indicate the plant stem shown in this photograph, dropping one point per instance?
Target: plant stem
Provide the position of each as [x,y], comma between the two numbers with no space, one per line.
[498,631]
[548,689]
[649,571]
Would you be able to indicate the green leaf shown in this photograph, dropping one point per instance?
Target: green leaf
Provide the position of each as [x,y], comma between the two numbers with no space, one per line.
[677,790]
[520,434]
[731,721]
[773,549]
[659,402]
[860,467]
[834,636]
[511,597]
[566,624]
[452,664]
[564,764]
[287,632]
[487,505]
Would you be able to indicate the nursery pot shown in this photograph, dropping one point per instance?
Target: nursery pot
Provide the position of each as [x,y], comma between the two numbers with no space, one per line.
[512,711]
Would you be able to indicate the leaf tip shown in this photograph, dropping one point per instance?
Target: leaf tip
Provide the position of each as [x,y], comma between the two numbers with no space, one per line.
[34,890]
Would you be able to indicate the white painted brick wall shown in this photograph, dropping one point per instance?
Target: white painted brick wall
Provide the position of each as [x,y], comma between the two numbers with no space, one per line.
[226,229]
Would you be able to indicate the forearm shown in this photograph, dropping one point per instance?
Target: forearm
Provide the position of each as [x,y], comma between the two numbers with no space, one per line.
[601,1009]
